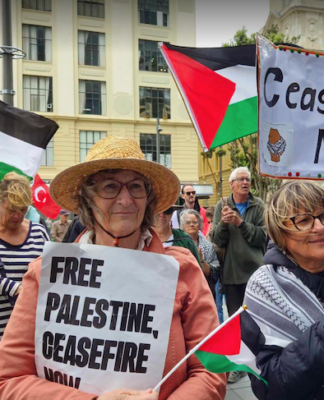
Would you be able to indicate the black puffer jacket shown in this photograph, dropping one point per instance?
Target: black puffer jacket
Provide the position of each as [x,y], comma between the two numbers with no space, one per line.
[297,371]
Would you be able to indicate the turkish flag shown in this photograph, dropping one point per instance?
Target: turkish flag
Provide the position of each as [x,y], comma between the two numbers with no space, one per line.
[43,200]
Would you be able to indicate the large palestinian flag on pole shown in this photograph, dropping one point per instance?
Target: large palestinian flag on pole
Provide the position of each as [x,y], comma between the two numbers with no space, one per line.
[218,86]
[23,139]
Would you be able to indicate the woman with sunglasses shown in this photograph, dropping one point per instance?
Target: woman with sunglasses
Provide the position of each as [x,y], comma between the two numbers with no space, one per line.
[116,193]
[173,237]
[285,296]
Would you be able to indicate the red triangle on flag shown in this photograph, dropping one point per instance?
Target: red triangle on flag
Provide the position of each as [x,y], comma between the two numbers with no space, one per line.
[227,341]
[42,199]
[207,93]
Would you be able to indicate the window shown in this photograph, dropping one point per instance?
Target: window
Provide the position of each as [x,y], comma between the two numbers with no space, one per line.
[87,140]
[48,157]
[37,42]
[148,147]
[92,48]
[40,5]
[154,12]
[154,102]
[38,93]
[91,8]
[150,57]
[92,97]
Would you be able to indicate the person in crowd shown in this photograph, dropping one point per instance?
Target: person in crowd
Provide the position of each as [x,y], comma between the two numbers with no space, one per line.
[191,222]
[21,241]
[117,193]
[210,216]
[285,296]
[239,227]
[60,227]
[188,194]
[74,230]
[173,237]
[219,292]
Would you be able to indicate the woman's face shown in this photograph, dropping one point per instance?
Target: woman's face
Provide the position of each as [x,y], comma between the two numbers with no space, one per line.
[191,225]
[124,214]
[307,248]
[10,219]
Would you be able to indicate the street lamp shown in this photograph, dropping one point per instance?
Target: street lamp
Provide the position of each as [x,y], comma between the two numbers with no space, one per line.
[7,52]
[158,131]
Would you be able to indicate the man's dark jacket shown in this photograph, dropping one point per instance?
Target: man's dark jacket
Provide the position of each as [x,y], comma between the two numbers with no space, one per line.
[297,371]
[245,245]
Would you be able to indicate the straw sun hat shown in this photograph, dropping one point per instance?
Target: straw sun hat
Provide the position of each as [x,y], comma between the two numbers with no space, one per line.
[114,152]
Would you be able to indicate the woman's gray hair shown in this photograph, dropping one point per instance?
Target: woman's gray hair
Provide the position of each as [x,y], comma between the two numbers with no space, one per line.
[86,204]
[185,213]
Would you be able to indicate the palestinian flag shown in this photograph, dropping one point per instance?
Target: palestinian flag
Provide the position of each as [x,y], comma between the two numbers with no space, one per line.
[218,86]
[23,140]
[233,347]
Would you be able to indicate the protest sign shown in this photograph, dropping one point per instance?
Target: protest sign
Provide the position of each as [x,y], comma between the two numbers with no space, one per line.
[291,108]
[103,316]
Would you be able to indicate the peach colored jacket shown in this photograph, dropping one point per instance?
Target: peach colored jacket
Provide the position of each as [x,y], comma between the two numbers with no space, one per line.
[194,316]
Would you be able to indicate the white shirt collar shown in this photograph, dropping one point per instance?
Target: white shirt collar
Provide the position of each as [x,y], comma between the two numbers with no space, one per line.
[145,239]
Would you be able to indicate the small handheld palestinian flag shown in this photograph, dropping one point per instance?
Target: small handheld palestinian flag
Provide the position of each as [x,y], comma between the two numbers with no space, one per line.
[218,86]
[232,346]
[23,140]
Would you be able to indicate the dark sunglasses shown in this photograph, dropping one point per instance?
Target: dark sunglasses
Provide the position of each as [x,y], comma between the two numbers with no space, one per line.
[168,211]
[189,193]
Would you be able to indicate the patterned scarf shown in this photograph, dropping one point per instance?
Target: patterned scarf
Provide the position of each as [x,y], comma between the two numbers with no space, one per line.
[281,303]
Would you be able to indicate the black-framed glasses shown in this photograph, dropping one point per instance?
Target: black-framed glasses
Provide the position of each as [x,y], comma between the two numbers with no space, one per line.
[241,180]
[306,222]
[189,193]
[110,188]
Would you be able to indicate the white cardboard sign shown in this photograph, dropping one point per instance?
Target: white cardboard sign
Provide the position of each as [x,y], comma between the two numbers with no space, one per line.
[291,111]
[103,316]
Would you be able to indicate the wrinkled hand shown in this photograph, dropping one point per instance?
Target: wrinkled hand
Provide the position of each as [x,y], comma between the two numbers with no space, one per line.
[128,394]
[230,216]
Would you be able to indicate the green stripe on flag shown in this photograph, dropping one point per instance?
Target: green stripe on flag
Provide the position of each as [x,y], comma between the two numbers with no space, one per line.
[241,119]
[217,364]
[5,168]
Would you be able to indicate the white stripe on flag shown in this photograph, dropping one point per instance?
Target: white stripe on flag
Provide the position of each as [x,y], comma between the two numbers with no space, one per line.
[245,357]
[20,154]
[245,80]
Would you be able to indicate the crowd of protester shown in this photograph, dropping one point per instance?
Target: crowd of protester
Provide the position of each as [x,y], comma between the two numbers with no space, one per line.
[223,257]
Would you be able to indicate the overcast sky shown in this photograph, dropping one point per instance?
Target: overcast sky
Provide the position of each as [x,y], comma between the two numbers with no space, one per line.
[218,20]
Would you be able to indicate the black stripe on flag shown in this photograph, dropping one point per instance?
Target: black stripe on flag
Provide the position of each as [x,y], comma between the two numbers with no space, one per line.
[219,57]
[26,126]
[251,334]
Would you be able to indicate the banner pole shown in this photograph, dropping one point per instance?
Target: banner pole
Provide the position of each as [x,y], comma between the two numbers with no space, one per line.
[192,351]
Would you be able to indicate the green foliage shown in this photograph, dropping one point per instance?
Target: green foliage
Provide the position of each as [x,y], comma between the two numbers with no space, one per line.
[241,37]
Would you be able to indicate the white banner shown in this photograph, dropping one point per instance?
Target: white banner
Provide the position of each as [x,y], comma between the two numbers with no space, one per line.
[103,316]
[291,111]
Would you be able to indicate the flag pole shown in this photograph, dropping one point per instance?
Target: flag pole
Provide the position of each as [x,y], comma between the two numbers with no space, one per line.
[192,351]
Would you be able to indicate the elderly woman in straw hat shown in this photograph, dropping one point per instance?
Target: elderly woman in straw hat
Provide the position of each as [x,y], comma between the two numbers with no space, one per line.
[116,193]
[285,296]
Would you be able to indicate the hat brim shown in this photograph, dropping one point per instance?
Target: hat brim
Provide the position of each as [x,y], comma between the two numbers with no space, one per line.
[65,187]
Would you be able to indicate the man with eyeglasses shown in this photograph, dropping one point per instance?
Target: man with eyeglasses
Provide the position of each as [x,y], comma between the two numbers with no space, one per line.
[239,227]
[188,194]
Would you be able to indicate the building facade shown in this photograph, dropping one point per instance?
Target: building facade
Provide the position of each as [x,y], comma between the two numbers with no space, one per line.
[94,67]
[294,18]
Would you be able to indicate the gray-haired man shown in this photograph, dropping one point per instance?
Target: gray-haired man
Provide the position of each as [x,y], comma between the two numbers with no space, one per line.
[239,226]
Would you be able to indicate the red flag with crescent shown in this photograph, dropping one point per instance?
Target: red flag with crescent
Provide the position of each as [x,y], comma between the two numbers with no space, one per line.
[42,199]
